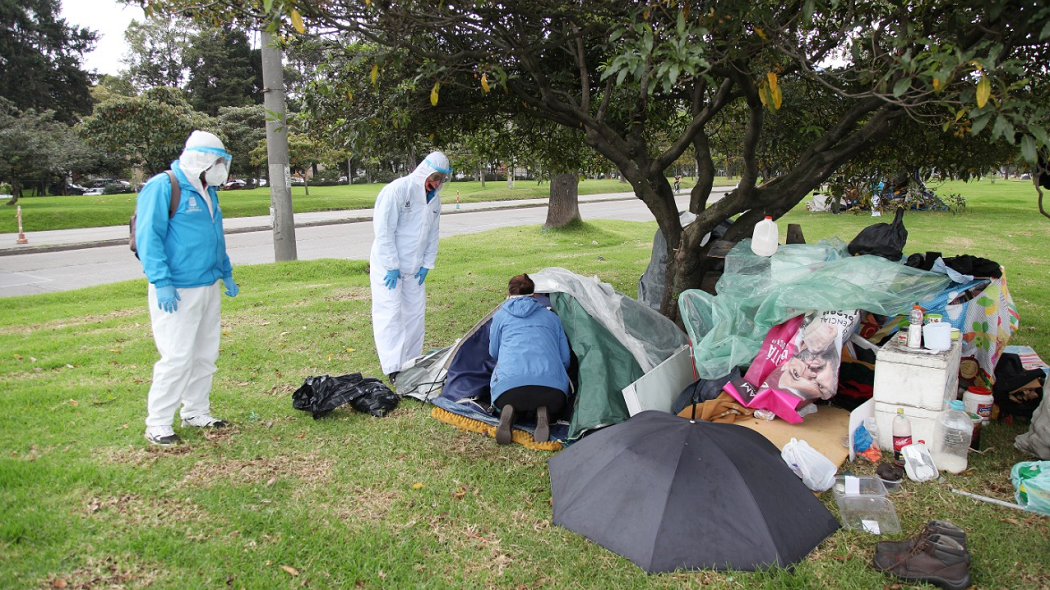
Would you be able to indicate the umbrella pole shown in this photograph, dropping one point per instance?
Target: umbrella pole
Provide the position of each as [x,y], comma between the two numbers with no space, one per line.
[696,386]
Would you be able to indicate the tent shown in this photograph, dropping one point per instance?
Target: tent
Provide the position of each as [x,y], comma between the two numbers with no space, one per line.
[614,339]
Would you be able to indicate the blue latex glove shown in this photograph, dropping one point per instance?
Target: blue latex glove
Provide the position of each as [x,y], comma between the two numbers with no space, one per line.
[390,280]
[422,274]
[168,298]
[232,289]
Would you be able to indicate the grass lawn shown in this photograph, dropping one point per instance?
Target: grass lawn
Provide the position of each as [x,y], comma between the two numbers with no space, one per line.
[46,213]
[349,501]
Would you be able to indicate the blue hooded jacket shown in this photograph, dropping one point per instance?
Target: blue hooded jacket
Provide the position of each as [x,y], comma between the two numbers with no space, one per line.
[187,250]
[529,345]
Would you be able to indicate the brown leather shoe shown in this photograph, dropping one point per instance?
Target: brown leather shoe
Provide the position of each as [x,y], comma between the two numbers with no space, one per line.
[506,421]
[939,560]
[543,427]
[888,553]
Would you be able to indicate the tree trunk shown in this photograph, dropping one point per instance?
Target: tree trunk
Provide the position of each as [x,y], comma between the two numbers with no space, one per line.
[481,175]
[16,191]
[564,205]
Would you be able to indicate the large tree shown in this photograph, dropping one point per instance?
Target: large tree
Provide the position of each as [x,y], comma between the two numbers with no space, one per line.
[40,57]
[148,130]
[39,151]
[156,49]
[244,128]
[224,71]
[630,74]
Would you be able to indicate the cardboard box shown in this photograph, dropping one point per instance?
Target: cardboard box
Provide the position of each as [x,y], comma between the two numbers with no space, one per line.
[909,377]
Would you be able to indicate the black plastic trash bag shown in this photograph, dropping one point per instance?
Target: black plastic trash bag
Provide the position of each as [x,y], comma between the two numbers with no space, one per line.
[321,395]
[882,239]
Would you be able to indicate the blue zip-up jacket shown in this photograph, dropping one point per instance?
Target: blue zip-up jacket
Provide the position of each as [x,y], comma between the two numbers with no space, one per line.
[187,250]
[529,345]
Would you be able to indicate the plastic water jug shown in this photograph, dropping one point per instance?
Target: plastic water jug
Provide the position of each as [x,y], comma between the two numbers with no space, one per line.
[951,438]
[766,237]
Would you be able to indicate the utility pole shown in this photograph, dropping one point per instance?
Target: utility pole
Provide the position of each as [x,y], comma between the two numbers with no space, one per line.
[281,214]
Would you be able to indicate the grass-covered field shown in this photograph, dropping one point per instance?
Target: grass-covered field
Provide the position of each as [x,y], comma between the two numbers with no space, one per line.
[283,501]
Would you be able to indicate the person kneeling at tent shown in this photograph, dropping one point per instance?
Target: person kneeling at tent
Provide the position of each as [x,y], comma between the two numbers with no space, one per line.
[532,358]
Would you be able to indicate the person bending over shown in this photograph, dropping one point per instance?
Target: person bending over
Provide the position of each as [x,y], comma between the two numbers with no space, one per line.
[532,358]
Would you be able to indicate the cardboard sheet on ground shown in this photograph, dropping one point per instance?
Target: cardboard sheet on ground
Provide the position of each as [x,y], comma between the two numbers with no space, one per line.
[824,431]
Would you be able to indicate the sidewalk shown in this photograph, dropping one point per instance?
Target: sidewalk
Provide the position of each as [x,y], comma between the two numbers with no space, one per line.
[92,237]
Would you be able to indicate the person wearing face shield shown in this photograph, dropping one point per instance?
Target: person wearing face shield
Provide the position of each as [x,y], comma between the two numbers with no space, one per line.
[406,243]
[184,258]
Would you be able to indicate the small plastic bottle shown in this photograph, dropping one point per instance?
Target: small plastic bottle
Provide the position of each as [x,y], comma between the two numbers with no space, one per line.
[915,327]
[901,435]
[766,237]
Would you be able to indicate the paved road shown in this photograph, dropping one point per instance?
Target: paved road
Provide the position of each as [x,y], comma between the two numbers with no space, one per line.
[62,260]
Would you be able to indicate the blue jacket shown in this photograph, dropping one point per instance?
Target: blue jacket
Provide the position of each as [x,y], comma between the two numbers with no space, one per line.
[187,250]
[529,345]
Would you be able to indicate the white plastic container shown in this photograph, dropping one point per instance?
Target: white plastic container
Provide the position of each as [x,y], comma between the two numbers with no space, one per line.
[979,400]
[937,336]
[766,238]
[951,439]
[912,378]
[918,463]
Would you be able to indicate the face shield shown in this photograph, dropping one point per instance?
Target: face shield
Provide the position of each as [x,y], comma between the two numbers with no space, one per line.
[214,162]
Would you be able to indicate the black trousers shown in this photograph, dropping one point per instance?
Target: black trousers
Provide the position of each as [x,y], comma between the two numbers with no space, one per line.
[528,398]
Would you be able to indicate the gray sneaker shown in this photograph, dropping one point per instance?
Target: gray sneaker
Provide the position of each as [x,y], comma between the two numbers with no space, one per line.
[162,436]
[205,421]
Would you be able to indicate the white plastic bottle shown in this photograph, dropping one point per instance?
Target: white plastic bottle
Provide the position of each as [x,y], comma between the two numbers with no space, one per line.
[901,435]
[915,327]
[766,238]
[951,439]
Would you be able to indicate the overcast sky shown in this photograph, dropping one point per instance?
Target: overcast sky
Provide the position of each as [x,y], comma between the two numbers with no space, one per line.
[109,19]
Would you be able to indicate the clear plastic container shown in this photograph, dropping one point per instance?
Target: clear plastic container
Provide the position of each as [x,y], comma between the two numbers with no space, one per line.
[951,439]
[863,504]
[766,237]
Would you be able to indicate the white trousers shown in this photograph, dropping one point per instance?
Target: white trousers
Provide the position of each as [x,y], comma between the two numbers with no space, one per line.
[398,317]
[188,343]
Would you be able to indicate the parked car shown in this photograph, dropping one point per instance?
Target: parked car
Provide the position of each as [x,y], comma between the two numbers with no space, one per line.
[94,191]
[233,184]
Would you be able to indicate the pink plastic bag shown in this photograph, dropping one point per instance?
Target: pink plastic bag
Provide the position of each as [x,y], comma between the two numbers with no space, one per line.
[797,364]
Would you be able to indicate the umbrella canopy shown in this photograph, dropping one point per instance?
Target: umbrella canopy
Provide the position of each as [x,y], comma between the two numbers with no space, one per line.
[669,493]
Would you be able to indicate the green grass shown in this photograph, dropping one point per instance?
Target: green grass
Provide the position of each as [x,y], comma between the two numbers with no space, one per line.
[47,213]
[403,501]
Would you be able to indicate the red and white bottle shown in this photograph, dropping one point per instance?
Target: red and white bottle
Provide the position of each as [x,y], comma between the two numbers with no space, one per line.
[901,435]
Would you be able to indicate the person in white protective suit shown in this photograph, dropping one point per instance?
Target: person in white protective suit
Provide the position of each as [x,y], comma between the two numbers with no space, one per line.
[184,258]
[406,243]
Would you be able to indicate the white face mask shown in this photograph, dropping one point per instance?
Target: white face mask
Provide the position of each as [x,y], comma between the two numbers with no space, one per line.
[216,175]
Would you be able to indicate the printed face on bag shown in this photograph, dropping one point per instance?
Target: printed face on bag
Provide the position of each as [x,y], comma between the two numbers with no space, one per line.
[808,375]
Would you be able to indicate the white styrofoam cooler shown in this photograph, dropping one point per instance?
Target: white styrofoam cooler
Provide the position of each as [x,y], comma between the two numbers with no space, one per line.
[911,378]
[923,422]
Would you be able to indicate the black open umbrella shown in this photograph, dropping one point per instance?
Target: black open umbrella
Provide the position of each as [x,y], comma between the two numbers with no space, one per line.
[669,493]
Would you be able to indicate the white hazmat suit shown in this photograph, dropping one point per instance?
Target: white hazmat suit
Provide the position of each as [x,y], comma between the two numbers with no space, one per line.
[406,240]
